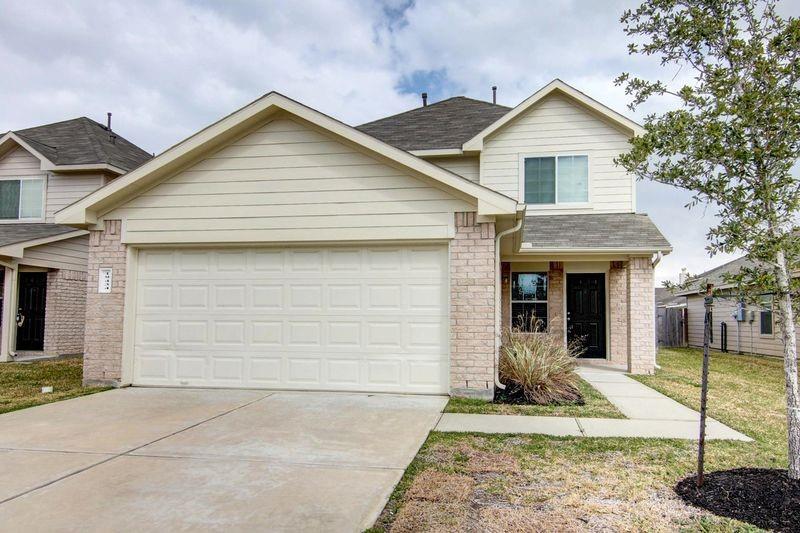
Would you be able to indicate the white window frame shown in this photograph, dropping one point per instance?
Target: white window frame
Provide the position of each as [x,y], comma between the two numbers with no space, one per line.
[19,219]
[557,204]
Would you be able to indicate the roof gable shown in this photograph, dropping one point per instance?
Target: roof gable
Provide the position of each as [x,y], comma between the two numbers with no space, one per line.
[475,144]
[245,119]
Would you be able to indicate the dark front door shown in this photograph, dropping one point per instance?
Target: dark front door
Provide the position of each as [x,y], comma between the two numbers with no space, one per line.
[32,299]
[586,312]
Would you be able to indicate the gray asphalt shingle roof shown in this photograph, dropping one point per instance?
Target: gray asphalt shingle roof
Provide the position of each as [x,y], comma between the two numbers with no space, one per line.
[446,124]
[14,233]
[82,141]
[612,231]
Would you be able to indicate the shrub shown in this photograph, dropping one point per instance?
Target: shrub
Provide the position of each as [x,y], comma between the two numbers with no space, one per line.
[540,367]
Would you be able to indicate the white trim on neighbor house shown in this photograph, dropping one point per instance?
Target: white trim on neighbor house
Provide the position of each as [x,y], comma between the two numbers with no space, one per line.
[86,211]
[556,205]
[437,152]
[476,143]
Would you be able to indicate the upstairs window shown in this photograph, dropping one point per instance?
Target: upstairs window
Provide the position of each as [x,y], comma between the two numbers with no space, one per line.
[529,301]
[21,199]
[562,179]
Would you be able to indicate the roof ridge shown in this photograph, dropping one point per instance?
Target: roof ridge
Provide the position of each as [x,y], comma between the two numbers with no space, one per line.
[434,104]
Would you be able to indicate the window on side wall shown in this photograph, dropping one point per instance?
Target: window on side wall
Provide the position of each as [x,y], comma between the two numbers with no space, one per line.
[529,301]
[766,316]
[562,179]
[21,199]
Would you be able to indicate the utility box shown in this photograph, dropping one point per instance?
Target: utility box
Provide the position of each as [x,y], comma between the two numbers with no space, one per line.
[741,312]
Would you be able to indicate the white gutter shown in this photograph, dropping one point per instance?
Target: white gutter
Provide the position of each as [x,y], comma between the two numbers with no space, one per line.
[497,301]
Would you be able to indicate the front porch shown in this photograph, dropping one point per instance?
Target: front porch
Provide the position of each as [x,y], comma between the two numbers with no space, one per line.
[606,304]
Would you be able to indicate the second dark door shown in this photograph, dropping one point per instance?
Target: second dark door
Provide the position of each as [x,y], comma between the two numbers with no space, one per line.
[586,312]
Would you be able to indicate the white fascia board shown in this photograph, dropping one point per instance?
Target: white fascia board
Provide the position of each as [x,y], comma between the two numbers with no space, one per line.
[476,143]
[84,211]
[439,152]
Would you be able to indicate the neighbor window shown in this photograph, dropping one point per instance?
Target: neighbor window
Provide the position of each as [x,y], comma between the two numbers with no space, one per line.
[556,179]
[529,301]
[766,316]
[21,199]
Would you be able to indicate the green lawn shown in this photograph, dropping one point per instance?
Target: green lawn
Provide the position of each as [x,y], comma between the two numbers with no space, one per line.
[21,383]
[511,482]
[596,406]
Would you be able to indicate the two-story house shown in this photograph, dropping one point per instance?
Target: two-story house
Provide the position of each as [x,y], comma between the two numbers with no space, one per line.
[281,248]
[43,265]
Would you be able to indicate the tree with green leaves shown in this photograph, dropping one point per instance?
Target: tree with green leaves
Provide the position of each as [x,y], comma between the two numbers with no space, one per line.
[731,139]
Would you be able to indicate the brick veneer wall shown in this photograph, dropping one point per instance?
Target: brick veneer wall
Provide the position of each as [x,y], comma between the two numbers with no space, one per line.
[641,316]
[65,312]
[102,358]
[555,300]
[618,312]
[472,307]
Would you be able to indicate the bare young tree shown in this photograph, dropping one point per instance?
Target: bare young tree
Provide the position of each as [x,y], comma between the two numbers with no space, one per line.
[732,140]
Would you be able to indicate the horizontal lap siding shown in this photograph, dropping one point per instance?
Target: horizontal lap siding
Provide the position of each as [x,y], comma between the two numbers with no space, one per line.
[64,189]
[749,332]
[556,125]
[468,167]
[287,182]
[19,163]
[69,254]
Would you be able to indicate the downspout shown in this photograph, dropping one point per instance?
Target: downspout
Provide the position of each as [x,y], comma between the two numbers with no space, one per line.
[497,300]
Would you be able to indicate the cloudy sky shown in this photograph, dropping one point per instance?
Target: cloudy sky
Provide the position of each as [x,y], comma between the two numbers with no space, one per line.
[167,68]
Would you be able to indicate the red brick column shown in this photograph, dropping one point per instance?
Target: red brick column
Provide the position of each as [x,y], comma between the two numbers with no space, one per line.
[65,312]
[102,358]
[472,305]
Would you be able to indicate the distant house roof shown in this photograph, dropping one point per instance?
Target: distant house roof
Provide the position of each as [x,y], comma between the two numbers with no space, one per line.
[442,125]
[666,298]
[82,141]
[14,233]
[716,276]
[612,231]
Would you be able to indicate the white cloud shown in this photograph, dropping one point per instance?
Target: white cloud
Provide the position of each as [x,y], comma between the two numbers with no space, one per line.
[168,68]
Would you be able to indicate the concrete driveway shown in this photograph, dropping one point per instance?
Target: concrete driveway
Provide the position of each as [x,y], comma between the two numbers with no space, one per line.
[167,459]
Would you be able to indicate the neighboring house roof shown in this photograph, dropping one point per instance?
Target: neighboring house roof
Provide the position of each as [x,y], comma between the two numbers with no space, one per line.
[85,211]
[556,86]
[593,232]
[716,276]
[82,141]
[441,125]
[666,298]
[14,233]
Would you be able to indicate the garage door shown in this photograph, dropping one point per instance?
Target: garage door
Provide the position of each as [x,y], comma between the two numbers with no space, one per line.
[361,319]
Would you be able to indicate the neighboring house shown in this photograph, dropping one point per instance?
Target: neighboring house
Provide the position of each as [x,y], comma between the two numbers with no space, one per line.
[749,328]
[43,264]
[281,248]
[671,323]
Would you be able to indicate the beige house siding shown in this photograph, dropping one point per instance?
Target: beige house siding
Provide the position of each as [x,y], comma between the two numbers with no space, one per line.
[64,189]
[288,182]
[69,254]
[469,167]
[742,336]
[19,163]
[558,126]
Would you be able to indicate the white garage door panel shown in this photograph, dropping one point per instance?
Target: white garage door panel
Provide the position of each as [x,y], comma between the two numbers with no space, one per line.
[371,319]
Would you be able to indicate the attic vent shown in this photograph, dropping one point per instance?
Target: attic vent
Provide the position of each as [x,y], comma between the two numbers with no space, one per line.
[424,99]
[494,94]
[111,136]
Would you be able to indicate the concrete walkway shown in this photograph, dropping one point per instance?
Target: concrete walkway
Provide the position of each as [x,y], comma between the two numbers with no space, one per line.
[649,414]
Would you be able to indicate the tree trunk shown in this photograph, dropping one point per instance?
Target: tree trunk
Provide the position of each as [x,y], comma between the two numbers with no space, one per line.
[788,333]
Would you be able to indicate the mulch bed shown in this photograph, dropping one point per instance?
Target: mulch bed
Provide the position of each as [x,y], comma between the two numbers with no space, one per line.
[514,396]
[763,497]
